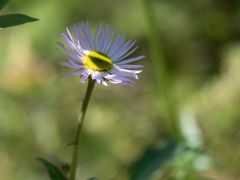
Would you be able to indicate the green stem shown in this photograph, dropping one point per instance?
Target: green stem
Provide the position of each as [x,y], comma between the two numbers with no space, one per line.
[160,68]
[74,164]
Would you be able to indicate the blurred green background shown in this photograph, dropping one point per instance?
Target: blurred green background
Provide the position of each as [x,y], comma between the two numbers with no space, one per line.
[200,46]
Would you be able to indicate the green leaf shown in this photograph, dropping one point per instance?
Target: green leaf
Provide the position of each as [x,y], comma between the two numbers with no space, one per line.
[14,20]
[152,159]
[92,178]
[54,172]
[3,3]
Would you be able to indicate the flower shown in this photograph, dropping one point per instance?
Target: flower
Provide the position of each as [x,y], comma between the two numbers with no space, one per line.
[101,56]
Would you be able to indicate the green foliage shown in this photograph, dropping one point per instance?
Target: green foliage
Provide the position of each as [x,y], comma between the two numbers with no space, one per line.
[14,20]
[171,161]
[54,172]
[92,178]
[38,109]
[3,3]
[152,159]
[9,20]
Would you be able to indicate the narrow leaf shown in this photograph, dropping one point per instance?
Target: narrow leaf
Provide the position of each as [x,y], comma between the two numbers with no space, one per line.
[14,20]
[54,172]
[3,3]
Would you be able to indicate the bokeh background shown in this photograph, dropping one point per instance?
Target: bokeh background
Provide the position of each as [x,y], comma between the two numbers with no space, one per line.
[190,88]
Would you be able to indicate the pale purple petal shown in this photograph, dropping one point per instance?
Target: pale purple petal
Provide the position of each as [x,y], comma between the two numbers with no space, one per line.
[70,65]
[130,66]
[106,38]
[123,50]
[81,41]
[117,43]
[130,60]
[73,55]
[125,55]
[97,36]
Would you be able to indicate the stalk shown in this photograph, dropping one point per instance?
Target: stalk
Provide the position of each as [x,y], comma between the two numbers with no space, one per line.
[75,154]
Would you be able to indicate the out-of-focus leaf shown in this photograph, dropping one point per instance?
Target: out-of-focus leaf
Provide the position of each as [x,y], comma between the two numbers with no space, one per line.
[54,172]
[92,178]
[153,158]
[14,20]
[3,3]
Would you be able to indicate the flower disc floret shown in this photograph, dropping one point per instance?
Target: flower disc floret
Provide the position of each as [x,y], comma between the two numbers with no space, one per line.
[97,61]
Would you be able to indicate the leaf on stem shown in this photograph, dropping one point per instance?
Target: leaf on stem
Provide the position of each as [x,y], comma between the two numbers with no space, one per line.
[54,172]
[14,20]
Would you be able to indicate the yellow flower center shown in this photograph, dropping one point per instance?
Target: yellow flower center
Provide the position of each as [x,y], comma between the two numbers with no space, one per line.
[97,61]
